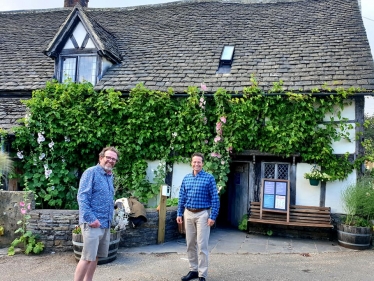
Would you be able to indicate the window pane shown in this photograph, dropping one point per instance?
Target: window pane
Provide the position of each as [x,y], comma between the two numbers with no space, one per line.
[87,69]
[68,69]
[227,53]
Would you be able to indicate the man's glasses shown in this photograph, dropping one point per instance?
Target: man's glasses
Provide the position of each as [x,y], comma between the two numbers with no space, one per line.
[110,158]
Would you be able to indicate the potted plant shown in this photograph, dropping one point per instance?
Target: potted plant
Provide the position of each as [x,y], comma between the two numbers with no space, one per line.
[355,231]
[120,220]
[315,176]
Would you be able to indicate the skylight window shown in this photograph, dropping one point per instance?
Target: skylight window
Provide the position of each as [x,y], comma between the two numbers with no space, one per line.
[227,53]
[225,62]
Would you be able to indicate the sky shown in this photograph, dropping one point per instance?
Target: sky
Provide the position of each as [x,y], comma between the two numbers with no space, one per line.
[367,8]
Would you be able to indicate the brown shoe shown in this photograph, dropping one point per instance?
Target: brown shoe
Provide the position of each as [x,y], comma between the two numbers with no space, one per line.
[190,275]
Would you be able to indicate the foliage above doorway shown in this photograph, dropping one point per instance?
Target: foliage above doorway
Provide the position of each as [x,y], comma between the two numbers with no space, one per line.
[68,124]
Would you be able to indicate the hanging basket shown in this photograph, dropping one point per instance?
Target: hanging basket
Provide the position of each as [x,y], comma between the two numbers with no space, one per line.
[313,182]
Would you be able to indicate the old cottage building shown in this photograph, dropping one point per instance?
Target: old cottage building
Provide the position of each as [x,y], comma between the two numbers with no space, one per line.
[305,43]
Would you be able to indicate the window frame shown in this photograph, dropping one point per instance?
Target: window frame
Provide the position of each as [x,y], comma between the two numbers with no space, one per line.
[77,56]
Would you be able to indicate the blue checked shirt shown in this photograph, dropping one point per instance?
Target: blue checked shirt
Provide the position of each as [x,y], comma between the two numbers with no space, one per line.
[199,192]
[95,196]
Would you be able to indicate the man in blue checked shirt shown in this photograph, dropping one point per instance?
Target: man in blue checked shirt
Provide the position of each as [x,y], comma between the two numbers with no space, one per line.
[199,204]
[96,206]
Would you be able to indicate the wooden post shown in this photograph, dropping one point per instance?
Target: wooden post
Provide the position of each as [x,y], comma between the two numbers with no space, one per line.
[12,185]
[161,218]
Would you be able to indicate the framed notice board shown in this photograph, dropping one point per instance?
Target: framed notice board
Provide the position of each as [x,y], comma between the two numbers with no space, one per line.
[275,196]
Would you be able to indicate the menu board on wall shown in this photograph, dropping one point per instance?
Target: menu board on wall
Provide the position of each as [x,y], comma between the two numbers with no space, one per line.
[275,195]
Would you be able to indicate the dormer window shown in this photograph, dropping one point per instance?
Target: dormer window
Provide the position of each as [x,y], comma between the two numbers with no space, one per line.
[83,50]
[226,59]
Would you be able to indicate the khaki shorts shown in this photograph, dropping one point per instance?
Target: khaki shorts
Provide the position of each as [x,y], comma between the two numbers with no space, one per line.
[95,242]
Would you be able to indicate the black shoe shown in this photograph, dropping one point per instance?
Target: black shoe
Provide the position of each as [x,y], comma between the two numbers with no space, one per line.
[191,275]
[201,279]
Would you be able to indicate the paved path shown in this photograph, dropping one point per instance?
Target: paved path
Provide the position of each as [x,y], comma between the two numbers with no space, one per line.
[234,256]
[231,241]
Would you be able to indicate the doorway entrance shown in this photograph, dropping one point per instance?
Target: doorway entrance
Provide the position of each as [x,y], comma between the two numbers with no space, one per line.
[235,200]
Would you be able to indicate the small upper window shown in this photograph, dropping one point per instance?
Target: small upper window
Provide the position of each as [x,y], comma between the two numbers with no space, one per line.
[79,68]
[225,62]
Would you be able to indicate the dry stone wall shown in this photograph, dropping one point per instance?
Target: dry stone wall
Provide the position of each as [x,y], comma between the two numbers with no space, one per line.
[54,227]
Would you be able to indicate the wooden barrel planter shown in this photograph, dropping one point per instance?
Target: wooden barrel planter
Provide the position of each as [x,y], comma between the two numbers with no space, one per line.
[353,237]
[113,247]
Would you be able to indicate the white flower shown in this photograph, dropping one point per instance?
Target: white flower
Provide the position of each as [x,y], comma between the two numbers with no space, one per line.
[67,139]
[41,156]
[40,138]
[20,155]
[51,144]
[47,173]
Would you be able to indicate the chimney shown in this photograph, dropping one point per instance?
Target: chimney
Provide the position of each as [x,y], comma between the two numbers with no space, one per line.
[72,3]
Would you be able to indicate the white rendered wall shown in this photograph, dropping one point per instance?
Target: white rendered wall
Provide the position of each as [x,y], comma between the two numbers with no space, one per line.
[334,190]
[152,167]
[306,194]
[105,65]
[179,171]
[343,146]
[309,195]
[79,35]
[347,112]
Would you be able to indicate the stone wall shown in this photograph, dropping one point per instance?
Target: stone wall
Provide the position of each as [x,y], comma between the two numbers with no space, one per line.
[10,213]
[55,226]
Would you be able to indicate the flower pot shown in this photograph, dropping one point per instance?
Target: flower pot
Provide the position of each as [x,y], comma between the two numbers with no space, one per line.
[354,237]
[313,182]
[113,247]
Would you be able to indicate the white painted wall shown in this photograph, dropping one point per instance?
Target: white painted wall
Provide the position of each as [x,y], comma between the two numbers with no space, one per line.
[179,171]
[306,194]
[152,167]
[79,35]
[343,146]
[334,190]
[369,105]
[105,65]
[347,112]
[309,195]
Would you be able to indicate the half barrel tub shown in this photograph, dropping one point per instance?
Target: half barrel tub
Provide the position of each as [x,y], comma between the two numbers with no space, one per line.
[353,237]
[113,247]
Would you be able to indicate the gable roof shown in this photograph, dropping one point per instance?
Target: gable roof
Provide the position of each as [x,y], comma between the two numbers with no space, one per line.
[103,40]
[305,43]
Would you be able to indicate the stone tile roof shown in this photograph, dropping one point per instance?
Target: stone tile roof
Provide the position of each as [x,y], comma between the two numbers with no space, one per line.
[305,43]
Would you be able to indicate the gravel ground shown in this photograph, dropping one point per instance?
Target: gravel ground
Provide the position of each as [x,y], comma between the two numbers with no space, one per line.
[356,265]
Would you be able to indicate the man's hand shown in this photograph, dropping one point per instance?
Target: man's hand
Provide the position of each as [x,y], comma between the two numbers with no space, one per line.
[95,224]
[179,220]
[211,222]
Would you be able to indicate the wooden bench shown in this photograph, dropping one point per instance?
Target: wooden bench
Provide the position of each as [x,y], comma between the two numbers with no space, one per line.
[307,216]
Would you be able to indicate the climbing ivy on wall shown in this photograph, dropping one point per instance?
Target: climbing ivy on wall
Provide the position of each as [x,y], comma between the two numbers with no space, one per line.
[68,125]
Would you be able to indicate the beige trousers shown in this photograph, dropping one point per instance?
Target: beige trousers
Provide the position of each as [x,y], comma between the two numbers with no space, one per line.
[197,238]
